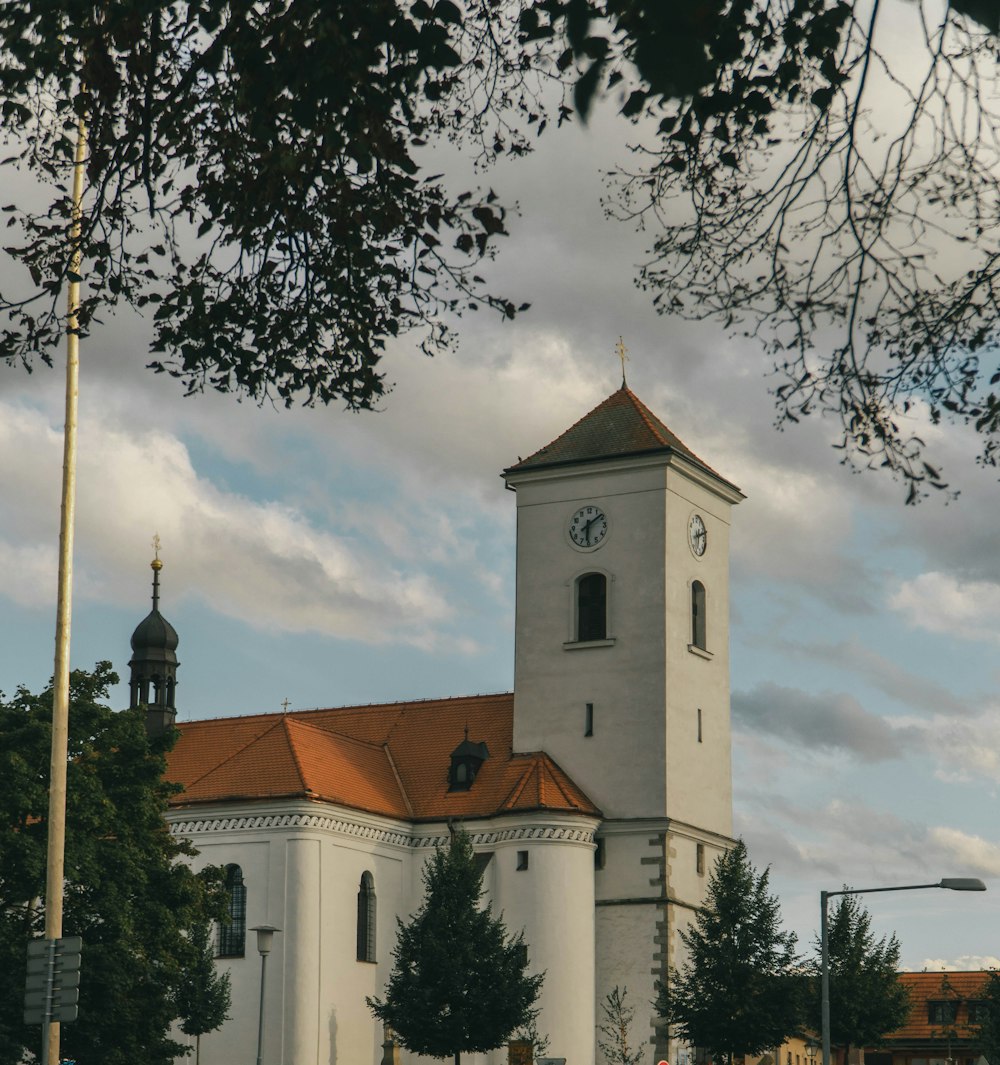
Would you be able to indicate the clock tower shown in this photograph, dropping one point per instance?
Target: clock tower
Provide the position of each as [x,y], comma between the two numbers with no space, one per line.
[622,669]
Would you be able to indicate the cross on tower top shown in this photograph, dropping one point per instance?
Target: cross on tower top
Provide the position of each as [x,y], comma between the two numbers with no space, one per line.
[622,352]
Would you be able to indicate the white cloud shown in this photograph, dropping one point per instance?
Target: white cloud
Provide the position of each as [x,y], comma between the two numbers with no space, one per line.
[966,963]
[264,562]
[825,722]
[941,603]
[959,850]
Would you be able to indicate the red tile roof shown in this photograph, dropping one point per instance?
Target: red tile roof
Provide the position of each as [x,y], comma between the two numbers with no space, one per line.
[962,987]
[390,759]
[621,425]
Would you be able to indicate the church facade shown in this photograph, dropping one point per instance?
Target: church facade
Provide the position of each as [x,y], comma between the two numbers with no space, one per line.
[597,795]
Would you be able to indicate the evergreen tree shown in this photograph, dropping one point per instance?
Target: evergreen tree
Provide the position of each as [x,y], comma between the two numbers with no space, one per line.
[203,997]
[616,1028]
[129,894]
[460,980]
[866,998]
[738,992]
[989,1026]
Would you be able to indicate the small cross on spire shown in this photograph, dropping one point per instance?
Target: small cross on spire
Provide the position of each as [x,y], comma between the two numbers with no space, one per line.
[622,352]
[285,704]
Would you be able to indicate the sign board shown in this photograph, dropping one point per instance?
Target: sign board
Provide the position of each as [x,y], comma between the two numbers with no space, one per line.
[52,987]
[520,1052]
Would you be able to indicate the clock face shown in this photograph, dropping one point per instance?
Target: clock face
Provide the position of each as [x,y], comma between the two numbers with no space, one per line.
[697,535]
[589,526]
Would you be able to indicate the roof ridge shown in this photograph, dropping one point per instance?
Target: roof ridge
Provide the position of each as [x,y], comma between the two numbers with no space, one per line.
[331,732]
[295,751]
[233,755]
[399,779]
[649,418]
[547,778]
[520,784]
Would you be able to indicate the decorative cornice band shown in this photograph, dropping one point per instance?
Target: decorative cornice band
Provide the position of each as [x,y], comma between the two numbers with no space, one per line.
[378,834]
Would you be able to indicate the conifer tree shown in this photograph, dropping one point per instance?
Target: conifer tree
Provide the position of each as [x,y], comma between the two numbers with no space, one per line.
[738,992]
[989,1024]
[460,980]
[615,1031]
[866,998]
[203,997]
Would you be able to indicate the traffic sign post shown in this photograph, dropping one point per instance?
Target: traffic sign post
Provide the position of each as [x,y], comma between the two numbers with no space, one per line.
[52,989]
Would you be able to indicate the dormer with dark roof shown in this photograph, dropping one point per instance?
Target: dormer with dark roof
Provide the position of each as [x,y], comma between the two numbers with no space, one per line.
[466,761]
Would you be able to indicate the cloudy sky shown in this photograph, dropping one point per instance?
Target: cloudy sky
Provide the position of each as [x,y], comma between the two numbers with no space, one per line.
[330,558]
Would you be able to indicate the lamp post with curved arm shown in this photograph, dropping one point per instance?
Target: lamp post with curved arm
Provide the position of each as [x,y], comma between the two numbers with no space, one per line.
[949,883]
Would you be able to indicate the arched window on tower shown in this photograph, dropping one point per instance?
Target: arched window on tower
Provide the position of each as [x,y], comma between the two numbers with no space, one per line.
[233,933]
[698,614]
[366,918]
[592,607]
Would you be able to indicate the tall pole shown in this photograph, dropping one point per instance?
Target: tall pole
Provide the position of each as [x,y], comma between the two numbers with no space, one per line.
[260,1015]
[825,976]
[55,858]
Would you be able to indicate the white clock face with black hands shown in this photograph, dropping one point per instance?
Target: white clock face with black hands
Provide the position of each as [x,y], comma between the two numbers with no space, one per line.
[588,526]
[697,535]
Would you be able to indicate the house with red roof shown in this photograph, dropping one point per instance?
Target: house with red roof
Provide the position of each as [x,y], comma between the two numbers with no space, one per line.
[946,1012]
[597,794]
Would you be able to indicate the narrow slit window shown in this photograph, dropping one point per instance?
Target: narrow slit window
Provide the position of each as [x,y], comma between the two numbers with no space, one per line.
[699,859]
[522,861]
[233,932]
[698,615]
[588,720]
[366,918]
[592,607]
[699,724]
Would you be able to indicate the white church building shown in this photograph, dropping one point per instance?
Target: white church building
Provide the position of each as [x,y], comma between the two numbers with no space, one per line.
[597,795]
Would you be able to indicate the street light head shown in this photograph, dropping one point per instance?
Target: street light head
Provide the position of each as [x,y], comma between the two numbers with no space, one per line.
[265,933]
[962,883]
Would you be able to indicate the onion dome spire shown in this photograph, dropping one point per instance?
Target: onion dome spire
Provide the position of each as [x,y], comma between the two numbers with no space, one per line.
[153,666]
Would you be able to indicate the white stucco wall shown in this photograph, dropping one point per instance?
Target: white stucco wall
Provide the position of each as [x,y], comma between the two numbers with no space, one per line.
[302,865]
[646,685]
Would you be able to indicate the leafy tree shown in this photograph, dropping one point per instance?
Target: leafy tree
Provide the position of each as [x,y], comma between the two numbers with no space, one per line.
[460,981]
[738,992]
[822,174]
[252,179]
[615,1030]
[989,1026]
[203,997]
[866,998]
[255,179]
[129,894]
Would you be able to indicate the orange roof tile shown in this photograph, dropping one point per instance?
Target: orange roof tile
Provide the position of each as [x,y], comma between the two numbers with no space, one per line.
[961,987]
[390,759]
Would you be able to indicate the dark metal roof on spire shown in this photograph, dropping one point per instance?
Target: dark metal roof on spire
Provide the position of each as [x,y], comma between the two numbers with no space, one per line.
[154,636]
[620,426]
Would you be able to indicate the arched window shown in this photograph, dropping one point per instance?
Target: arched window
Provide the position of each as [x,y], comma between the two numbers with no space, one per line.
[233,933]
[366,918]
[592,607]
[698,614]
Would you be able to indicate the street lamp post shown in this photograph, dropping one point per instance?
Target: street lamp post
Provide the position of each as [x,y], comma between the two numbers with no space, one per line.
[950,883]
[265,933]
